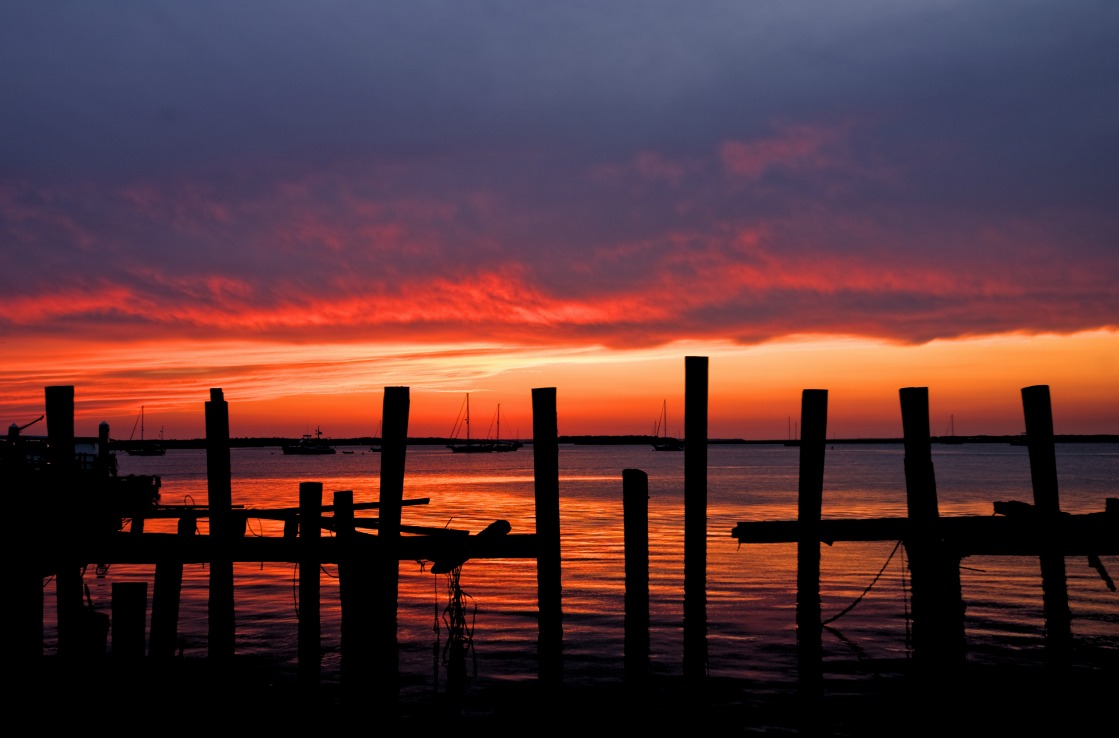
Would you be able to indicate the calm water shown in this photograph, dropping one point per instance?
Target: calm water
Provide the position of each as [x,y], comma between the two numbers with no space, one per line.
[751,589]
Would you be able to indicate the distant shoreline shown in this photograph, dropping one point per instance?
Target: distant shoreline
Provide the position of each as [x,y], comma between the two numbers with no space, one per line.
[605,440]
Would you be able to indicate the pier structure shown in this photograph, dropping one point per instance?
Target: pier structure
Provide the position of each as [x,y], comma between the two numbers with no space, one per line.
[56,484]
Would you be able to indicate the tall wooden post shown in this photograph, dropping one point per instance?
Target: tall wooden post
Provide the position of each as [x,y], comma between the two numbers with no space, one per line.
[354,592]
[545,460]
[813,442]
[635,514]
[394,445]
[309,669]
[221,640]
[27,601]
[938,608]
[695,516]
[167,594]
[1043,470]
[61,494]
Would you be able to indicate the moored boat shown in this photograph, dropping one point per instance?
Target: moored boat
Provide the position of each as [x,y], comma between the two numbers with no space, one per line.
[309,445]
[662,441]
[468,445]
[143,448]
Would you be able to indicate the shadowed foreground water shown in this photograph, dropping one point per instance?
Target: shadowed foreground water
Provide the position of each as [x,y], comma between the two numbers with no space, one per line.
[751,596]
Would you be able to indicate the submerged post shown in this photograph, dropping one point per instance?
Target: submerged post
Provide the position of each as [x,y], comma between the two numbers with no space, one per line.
[635,513]
[545,460]
[813,441]
[695,516]
[394,446]
[221,641]
[310,630]
[1043,471]
[938,609]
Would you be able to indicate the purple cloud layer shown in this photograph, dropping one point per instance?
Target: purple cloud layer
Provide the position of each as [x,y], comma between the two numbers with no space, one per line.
[620,173]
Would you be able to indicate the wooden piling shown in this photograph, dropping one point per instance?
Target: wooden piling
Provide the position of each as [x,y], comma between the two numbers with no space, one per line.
[813,441]
[695,516]
[130,605]
[309,636]
[394,445]
[60,491]
[635,514]
[355,594]
[28,604]
[1043,471]
[166,596]
[222,626]
[938,608]
[545,461]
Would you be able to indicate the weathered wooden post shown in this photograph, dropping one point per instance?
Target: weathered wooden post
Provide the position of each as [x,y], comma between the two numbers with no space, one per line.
[59,492]
[222,626]
[355,594]
[545,461]
[309,669]
[130,605]
[695,516]
[1043,471]
[635,514]
[106,462]
[938,608]
[27,597]
[813,442]
[394,445]
[167,594]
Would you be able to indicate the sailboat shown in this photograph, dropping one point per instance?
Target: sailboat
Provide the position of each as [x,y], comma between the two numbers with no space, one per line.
[144,449]
[951,437]
[662,440]
[500,445]
[793,440]
[468,446]
[377,446]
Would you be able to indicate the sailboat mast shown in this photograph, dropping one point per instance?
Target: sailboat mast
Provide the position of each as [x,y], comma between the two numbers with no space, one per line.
[468,417]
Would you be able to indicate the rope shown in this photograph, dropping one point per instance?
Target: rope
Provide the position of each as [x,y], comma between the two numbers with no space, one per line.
[858,599]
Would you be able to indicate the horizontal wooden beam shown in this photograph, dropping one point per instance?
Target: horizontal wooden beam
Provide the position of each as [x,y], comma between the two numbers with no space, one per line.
[1077,535]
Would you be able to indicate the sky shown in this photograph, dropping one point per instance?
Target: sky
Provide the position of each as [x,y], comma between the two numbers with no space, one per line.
[305,203]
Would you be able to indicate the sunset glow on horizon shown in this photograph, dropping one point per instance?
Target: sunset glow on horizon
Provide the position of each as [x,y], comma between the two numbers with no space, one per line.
[304,206]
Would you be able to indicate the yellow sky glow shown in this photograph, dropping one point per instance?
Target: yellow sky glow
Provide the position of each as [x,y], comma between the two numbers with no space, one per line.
[754,391]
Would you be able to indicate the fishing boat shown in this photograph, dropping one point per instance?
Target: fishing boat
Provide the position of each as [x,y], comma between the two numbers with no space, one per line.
[662,441]
[467,445]
[500,445]
[142,448]
[309,445]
